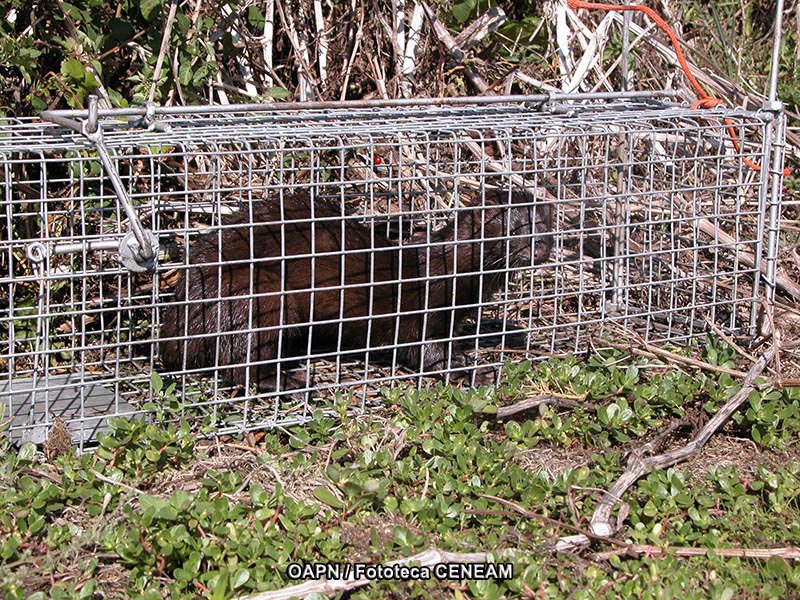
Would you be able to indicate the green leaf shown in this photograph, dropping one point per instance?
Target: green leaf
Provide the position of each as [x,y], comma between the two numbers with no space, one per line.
[73,11]
[324,495]
[200,75]
[87,589]
[241,577]
[150,8]
[73,69]
[402,536]
[777,567]
[156,382]
[727,593]
[117,100]
[371,485]
[256,17]
[27,452]
[185,73]
[462,10]
[157,508]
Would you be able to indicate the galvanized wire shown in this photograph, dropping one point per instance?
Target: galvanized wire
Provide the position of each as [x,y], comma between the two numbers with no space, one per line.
[657,227]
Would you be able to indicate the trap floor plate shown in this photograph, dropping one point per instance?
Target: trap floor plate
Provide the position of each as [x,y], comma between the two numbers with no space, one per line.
[84,405]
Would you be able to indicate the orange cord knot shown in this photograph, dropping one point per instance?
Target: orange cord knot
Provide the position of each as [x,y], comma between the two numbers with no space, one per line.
[706,103]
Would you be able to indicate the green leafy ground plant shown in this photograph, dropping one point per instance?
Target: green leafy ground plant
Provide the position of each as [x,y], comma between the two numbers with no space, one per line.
[155,511]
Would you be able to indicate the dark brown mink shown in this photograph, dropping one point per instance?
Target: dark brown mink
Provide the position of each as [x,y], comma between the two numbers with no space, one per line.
[368,291]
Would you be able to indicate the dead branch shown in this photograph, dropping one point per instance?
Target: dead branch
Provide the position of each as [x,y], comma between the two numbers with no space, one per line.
[380,77]
[529,514]
[638,466]
[397,32]
[655,443]
[456,52]
[591,57]
[119,484]
[787,552]
[505,412]
[177,79]
[234,27]
[546,87]
[322,43]
[409,65]
[294,22]
[487,23]
[556,14]
[729,340]
[173,7]
[267,41]
[356,42]
[443,35]
[651,351]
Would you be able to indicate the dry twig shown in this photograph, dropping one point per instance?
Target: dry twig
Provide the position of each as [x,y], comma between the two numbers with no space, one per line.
[409,66]
[267,40]
[786,552]
[651,351]
[294,22]
[322,43]
[504,412]
[173,7]
[488,22]
[356,35]
[456,52]
[638,466]
[783,281]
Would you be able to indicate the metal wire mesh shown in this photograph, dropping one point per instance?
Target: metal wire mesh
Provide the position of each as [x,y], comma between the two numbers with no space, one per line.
[638,215]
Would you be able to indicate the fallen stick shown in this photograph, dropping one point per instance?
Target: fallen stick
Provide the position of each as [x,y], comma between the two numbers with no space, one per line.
[267,40]
[231,19]
[787,552]
[590,58]
[651,351]
[322,42]
[408,61]
[505,412]
[357,34]
[480,28]
[162,52]
[601,523]
[294,21]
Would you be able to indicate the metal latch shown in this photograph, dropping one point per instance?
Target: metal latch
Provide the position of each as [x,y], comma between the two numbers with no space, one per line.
[138,249]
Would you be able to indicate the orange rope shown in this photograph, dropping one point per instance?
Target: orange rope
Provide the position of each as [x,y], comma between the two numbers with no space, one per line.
[705,100]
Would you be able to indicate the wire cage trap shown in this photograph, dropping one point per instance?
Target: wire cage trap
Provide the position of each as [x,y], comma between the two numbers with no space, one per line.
[259,259]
